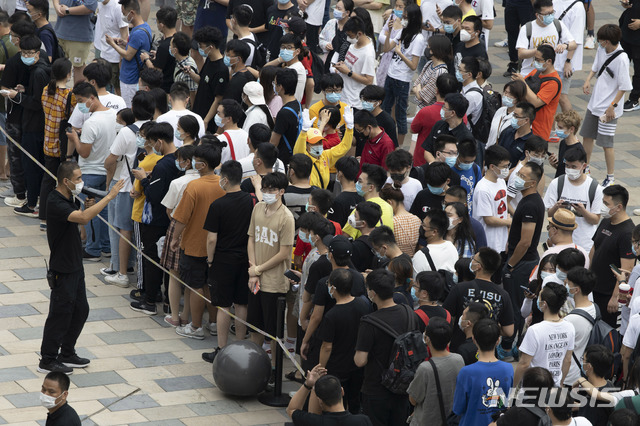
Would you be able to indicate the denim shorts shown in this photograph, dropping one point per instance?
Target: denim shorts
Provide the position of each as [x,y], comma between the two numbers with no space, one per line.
[122,218]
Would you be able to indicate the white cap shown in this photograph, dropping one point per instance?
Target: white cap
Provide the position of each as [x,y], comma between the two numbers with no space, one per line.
[255,93]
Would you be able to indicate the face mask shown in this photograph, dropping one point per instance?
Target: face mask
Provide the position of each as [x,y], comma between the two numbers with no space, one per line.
[352,40]
[351,220]
[304,237]
[283,1]
[47,401]
[337,14]
[413,295]
[538,160]
[359,189]
[176,134]
[334,98]
[227,61]
[573,174]
[379,256]
[173,55]
[286,54]
[545,274]
[538,304]
[448,28]
[471,268]
[569,294]
[633,250]
[507,101]
[155,151]
[561,134]
[368,106]
[218,120]
[539,66]
[583,371]
[397,177]
[270,199]
[451,224]
[119,127]
[404,23]
[140,141]
[460,324]
[561,275]
[221,185]
[202,52]
[330,292]
[451,161]
[274,89]
[83,107]
[398,13]
[441,114]
[193,164]
[518,183]
[77,188]
[435,190]
[465,166]
[605,212]
[459,76]
[455,278]
[313,243]
[548,19]
[182,169]
[504,173]
[465,35]
[316,151]
[514,123]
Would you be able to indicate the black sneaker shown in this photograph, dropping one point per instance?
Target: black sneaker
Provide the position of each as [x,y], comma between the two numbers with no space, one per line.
[26,211]
[90,257]
[74,361]
[137,295]
[512,68]
[631,106]
[54,365]
[210,356]
[144,308]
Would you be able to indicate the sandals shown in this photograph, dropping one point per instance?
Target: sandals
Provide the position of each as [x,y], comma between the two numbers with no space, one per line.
[292,376]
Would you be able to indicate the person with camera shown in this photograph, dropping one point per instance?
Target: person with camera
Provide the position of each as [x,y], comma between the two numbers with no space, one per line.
[68,306]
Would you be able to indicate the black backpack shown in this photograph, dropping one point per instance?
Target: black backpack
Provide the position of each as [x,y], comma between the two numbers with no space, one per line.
[317,68]
[407,352]
[535,83]
[447,276]
[58,52]
[259,53]
[491,102]
[543,417]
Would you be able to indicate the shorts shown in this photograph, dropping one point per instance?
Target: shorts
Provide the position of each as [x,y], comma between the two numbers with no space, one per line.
[170,258]
[566,84]
[128,91]
[187,11]
[76,51]
[602,132]
[193,270]
[228,284]
[263,311]
[115,71]
[122,219]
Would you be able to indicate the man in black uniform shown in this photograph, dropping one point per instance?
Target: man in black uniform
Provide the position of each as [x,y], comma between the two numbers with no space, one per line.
[53,396]
[68,307]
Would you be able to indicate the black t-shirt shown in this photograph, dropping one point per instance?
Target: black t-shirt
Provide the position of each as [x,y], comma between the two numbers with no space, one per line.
[378,344]
[478,290]
[63,416]
[247,186]
[214,78]
[518,416]
[320,269]
[530,209]
[454,178]
[343,205]
[339,327]
[598,415]
[322,297]
[258,18]
[402,296]
[386,122]
[562,149]
[236,84]
[286,125]
[441,127]
[275,17]
[344,418]
[610,244]
[425,200]
[362,256]
[165,62]
[63,236]
[515,146]
[468,351]
[431,311]
[230,217]
[296,198]
[15,72]
[478,51]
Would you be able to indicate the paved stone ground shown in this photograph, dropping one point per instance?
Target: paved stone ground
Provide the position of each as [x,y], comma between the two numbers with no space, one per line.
[130,350]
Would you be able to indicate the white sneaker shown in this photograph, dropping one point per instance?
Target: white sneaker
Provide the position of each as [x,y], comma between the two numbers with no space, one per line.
[636,212]
[189,331]
[590,42]
[212,327]
[15,201]
[118,279]
[502,43]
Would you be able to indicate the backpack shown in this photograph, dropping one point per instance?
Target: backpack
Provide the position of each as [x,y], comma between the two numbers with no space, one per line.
[447,276]
[602,334]
[259,53]
[535,83]
[58,52]
[543,418]
[299,116]
[407,352]
[317,68]
[135,129]
[137,55]
[425,318]
[375,261]
[491,102]
[605,66]
[556,23]
[592,189]
[562,15]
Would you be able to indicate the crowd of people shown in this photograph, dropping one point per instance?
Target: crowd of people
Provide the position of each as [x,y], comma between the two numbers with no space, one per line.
[264,156]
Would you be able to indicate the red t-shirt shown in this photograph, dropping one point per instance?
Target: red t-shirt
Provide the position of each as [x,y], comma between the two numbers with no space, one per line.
[331,140]
[422,124]
[549,93]
[375,150]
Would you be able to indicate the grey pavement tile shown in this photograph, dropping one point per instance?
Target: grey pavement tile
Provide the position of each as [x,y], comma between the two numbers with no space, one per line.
[133,402]
[5,232]
[3,351]
[31,273]
[90,295]
[635,153]
[172,422]
[17,310]
[183,383]
[26,220]
[626,137]
[28,333]
[15,374]
[4,289]
[22,400]
[104,314]
[154,360]
[85,353]
[2,421]
[16,252]
[160,320]
[119,337]
[96,379]
[216,407]
[207,343]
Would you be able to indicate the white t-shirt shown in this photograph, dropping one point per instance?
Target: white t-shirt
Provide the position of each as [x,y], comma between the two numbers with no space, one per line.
[633,330]
[429,13]
[607,87]
[254,115]
[484,10]
[124,147]
[109,22]
[490,199]
[99,131]
[575,20]
[238,139]
[248,170]
[475,101]
[583,329]
[398,69]
[548,342]
[109,100]
[361,61]
[634,304]
[541,35]
[409,190]
[302,79]
[172,117]
[444,256]
[252,48]
[176,189]
[501,120]
[577,194]
[315,13]
[516,196]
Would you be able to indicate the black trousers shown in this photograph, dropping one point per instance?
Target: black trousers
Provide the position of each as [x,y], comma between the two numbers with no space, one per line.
[149,235]
[351,387]
[518,15]
[48,184]
[386,410]
[634,56]
[602,300]
[68,311]
[511,283]
[15,161]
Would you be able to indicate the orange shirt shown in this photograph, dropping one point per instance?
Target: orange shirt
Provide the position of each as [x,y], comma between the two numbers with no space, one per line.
[549,93]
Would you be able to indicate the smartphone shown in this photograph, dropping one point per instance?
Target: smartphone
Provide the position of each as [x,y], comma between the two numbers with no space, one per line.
[292,276]
[526,289]
[615,268]
[545,246]
[69,129]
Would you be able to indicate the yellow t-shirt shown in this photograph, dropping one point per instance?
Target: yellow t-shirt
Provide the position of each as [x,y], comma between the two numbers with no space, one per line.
[314,111]
[469,13]
[386,219]
[147,164]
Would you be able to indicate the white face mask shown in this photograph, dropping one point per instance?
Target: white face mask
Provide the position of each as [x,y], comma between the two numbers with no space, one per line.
[451,223]
[77,188]
[465,35]
[352,221]
[119,127]
[47,401]
[605,212]
[503,173]
[573,174]
[269,198]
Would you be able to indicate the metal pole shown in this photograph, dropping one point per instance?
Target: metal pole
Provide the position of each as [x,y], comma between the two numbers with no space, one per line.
[275,398]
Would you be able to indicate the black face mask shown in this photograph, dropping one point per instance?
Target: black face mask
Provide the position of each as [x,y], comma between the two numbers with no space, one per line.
[397,177]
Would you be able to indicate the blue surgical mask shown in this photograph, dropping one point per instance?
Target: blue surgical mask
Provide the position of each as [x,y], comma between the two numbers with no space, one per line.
[202,52]
[633,250]
[182,169]
[561,275]
[545,274]
[286,54]
[140,141]
[304,237]
[538,304]
[156,152]
[583,371]
[313,243]
[227,61]
[471,267]
[83,107]
[455,278]
[435,190]
[441,113]
[316,150]
[514,123]
[465,166]
[507,101]
[275,92]
[368,106]
[193,164]
[413,295]
[218,120]
[569,294]
[561,134]
[334,98]
[398,13]
[337,14]
[171,53]
[283,1]
[459,76]
[176,134]
[548,19]
[28,61]
[539,66]
[451,161]
[359,189]
[448,28]
[518,183]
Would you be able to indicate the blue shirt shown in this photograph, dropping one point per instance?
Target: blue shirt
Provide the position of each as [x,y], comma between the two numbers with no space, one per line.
[468,180]
[481,237]
[76,27]
[139,39]
[482,389]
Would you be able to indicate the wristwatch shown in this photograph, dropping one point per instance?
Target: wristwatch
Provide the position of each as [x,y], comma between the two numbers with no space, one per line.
[568,60]
[350,74]
[614,105]
[66,11]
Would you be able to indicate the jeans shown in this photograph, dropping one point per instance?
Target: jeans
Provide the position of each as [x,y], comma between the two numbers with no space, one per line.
[48,184]
[114,239]
[511,282]
[386,410]
[97,231]
[15,162]
[32,142]
[397,92]
[68,311]
[152,274]
[519,14]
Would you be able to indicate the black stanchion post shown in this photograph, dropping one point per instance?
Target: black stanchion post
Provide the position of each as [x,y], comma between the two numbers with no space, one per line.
[275,398]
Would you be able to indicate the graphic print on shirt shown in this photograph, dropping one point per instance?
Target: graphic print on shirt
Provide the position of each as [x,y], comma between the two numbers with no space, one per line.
[493,396]
[502,207]
[548,39]
[492,301]
[556,348]
[266,235]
